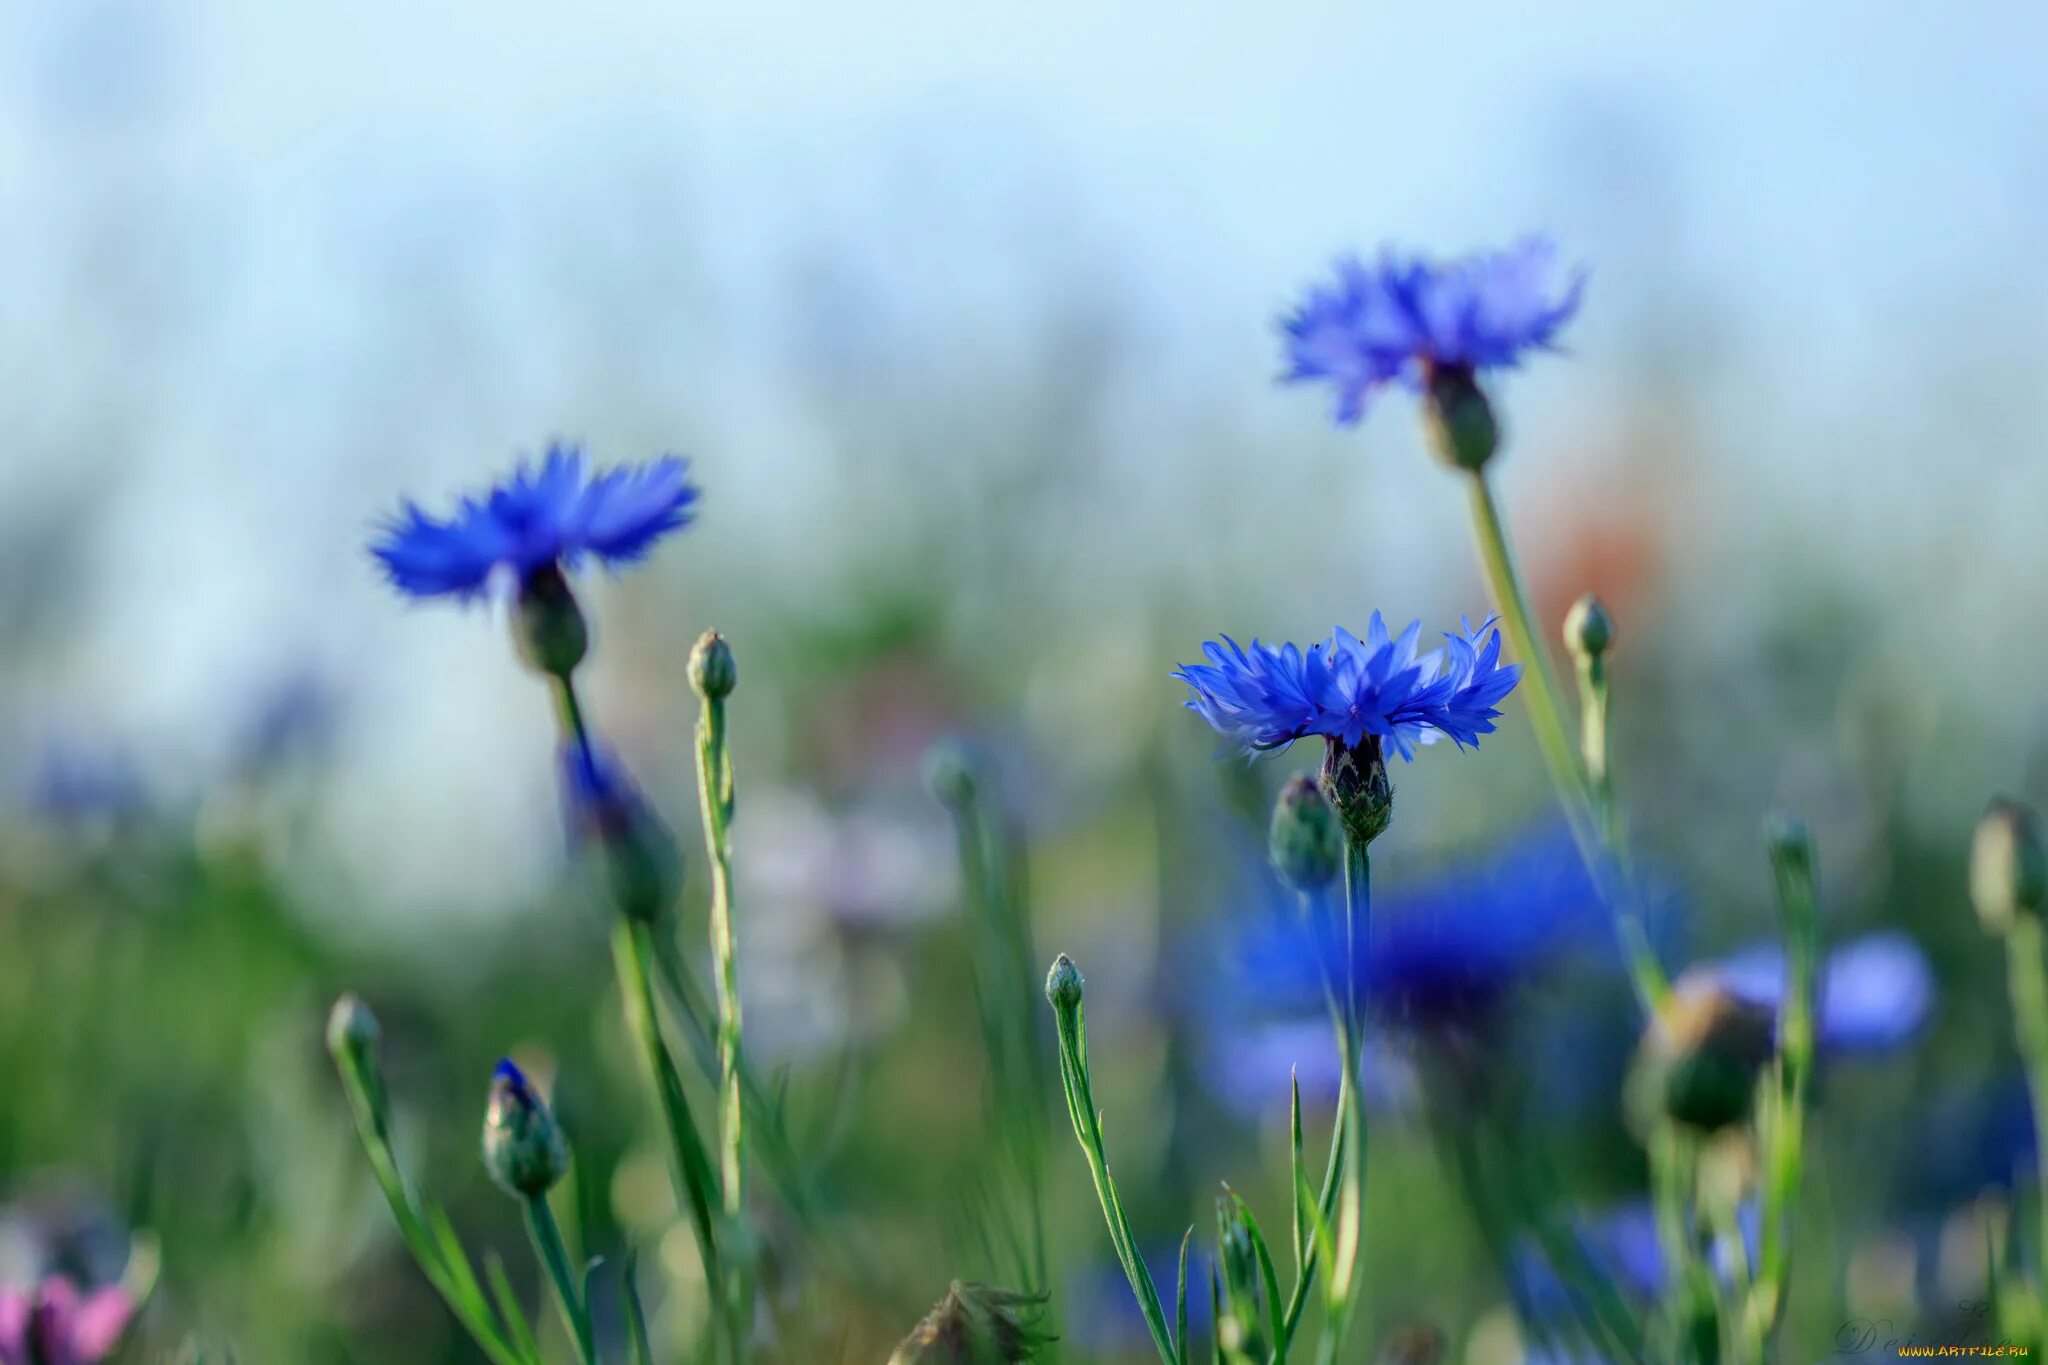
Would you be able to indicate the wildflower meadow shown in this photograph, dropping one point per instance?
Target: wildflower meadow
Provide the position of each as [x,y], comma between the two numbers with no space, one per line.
[1373,817]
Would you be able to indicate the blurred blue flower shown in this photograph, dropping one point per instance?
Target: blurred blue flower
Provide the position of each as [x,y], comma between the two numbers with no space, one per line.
[599,797]
[1101,1315]
[1443,951]
[1346,688]
[1873,996]
[1623,1246]
[551,516]
[72,779]
[1397,320]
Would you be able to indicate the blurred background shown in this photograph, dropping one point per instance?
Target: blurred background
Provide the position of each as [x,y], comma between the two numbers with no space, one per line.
[964,315]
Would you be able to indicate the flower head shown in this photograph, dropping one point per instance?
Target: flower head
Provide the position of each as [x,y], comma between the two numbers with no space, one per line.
[524,1150]
[56,1324]
[552,516]
[606,815]
[1396,321]
[1346,688]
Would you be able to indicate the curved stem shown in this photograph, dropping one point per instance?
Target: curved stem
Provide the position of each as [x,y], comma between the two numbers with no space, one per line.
[1589,805]
[715,798]
[2029,984]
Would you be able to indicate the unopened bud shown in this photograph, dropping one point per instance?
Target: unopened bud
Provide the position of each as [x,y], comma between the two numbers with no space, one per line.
[352,1031]
[523,1145]
[1701,1055]
[1240,1330]
[1305,841]
[975,1324]
[1354,782]
[951,772]
[1063,983]
[712,672]
[1458,419]
[547,626]
[1588,629]
[2008,872]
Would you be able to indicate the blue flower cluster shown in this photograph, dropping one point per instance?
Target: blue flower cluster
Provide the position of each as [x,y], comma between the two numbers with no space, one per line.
[1346,688]
[1393,322]
[554,515]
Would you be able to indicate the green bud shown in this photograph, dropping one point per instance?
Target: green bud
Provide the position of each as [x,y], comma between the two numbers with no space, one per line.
[975,1325]
[712,672]
[1063,984]
[951,772]
[1458,420]
[1306,842]
[1700,1057]
[2008,872]
[1588,629]
[1791,845]
[523,1145]
[352,1031]
[1354,782]
[1240,1327]
[547,626]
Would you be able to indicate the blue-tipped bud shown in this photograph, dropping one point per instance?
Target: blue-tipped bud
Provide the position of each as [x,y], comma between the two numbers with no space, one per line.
[951,772]
[975,1324]
[2008,872]
[1063,984]
[713,674]
[1458,419]
[1240,1324]
[643,866]
[352,1031]
[1701,1055]
[1354,781]
[1305,840]
[1588,629]
[523,1145]
[548,630]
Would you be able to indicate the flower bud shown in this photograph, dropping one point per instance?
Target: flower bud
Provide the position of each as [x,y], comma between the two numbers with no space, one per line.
[713,674]
[2008,872]
[1354,782]
[1305,841]
[1240,1327]
[1588,629]
[975,1325]
[523,1146]
[1791,846]
[643,867]
[1063,983]
[1700,1057]
[951,772]
[1457,418]
[352,1031]
[548,629]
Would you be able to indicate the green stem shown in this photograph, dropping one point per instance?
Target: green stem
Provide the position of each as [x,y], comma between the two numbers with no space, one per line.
[1784,1126]
[554,1257]
[715,799]
[1073,1036]
[690,1169]
[1599,837]
[2029,985]
[1346,1261]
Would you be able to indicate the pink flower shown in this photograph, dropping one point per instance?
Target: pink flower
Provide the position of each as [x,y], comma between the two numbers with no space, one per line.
[56,1325]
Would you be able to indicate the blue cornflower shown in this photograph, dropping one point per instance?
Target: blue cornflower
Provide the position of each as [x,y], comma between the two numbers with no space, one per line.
[1347,689]
[550,517]
[1404,319]
[1873,995]
[1622,1244]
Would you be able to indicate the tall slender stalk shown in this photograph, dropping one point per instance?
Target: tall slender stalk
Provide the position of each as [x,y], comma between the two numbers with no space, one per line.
[2027,978]
[713,675]
[1784,1127]
[1593,818]
[554,1257]
[1347,1261]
